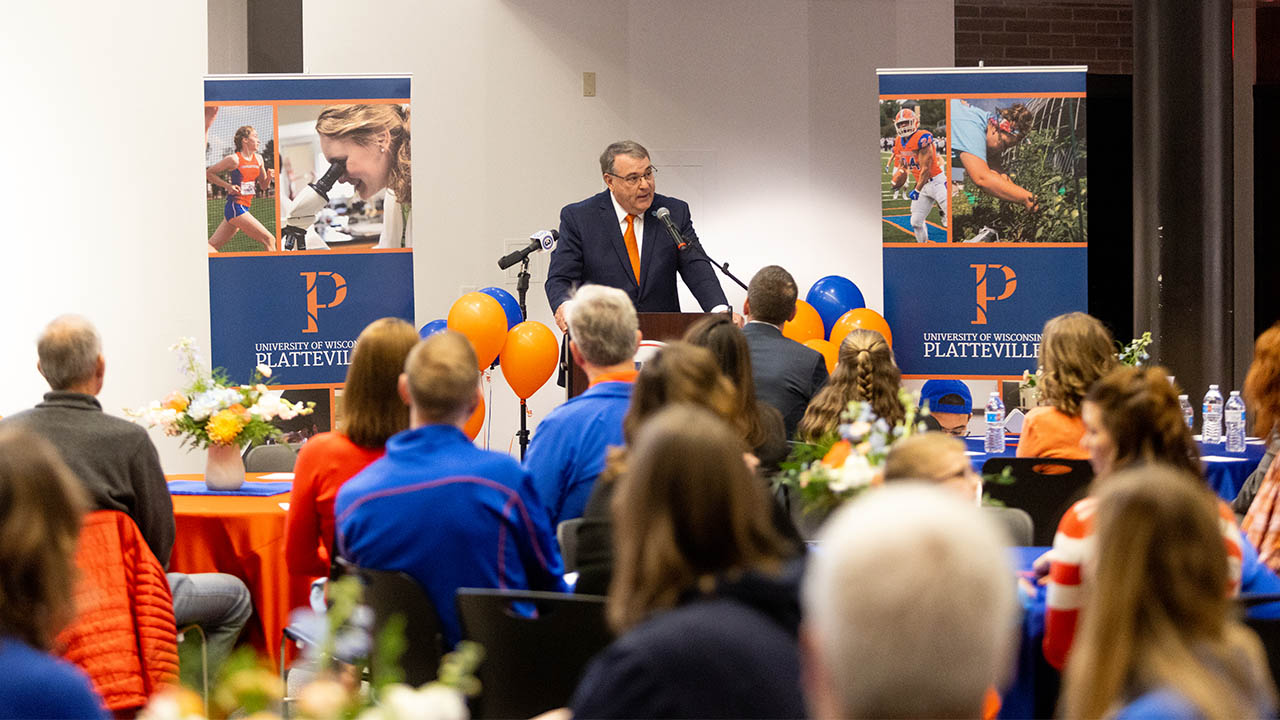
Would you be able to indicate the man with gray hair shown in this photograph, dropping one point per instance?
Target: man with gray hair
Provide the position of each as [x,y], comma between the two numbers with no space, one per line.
[118,465]
[910,609]
[614,238]
[569,445]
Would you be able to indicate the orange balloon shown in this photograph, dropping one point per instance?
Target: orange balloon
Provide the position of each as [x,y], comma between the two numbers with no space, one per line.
[829,352]
[476,421]
[529,357]
[483,321]
[860,319]
[806,325]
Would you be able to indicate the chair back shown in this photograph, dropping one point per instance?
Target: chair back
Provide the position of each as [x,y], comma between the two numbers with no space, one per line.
[1045,496]
[536,646]
[567,536]
[1016,522]
[276,457]
[391,593]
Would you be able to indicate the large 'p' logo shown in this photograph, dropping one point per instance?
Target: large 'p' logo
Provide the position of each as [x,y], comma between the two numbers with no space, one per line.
[984,297]
[313,296]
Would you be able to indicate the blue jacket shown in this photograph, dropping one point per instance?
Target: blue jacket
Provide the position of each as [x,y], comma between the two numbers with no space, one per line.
[38,685]
[568,449]
[450,515]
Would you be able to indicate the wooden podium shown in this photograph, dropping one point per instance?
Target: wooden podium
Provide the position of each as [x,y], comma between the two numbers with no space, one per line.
[664,326]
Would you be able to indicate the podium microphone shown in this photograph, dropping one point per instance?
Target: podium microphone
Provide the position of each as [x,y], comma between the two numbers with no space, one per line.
[664,215]
[541,240]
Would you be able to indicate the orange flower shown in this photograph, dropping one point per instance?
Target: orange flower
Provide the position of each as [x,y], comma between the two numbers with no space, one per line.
[176,401]
[224,426]
[240,411]
[838,453]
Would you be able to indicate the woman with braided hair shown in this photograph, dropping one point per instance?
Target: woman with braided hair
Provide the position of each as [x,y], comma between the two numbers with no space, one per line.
[865,371]
[1075,350]
[373,141]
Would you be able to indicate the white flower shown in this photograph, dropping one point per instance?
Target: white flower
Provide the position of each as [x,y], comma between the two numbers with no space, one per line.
[269,406]
[433,701]
[855,473]
[264,370]
[211,401]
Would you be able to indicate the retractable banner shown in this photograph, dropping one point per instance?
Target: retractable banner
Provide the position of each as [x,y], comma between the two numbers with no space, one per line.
[309,230]
[984,205]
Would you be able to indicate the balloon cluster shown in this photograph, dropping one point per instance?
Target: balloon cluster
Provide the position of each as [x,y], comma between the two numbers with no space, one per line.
[832,309]
[525,349]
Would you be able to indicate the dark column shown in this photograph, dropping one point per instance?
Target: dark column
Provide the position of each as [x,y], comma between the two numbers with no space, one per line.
[1182,188]
[275,36]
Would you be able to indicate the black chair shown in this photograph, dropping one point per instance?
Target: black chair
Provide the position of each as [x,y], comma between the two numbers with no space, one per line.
[275,457]
[1046,496]
[1016,522]
[567,536]
[531,664]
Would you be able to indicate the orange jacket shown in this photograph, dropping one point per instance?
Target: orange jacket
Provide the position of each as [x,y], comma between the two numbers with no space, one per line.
[123,635]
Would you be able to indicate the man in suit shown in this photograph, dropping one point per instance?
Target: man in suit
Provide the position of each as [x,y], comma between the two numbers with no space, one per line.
[613,239]
[787,374]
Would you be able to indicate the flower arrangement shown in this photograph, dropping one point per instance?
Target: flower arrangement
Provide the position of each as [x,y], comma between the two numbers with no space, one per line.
[210,410]
[848,460]
[1135,353]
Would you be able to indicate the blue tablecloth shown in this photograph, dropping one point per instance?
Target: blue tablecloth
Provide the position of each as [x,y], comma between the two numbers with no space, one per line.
[249,489]
[1018,701]
[1225,472]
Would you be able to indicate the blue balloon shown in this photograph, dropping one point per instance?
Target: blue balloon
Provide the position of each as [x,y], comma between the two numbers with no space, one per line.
[508,303]
[432,328]
[833,296]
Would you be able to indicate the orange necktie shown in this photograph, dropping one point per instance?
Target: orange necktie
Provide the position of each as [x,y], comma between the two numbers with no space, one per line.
[633,250]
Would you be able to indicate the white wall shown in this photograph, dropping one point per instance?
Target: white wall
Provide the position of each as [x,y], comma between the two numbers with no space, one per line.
[760,112]
[103,189]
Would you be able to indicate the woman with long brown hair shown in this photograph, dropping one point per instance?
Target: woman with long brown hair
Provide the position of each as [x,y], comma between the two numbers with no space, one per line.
[703,599]
[41,507]
[1159,637]
[373,142]
[865,371]
[372,412]
[1075,350]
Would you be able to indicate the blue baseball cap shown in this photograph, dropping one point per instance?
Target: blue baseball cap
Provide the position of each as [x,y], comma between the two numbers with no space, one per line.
[947,396]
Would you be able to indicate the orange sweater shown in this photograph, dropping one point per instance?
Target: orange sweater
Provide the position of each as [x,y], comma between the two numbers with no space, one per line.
[123,635]
[324,464]
[1050,433]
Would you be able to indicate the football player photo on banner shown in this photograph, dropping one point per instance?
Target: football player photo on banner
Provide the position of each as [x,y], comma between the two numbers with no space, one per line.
[984,210]
[309,229]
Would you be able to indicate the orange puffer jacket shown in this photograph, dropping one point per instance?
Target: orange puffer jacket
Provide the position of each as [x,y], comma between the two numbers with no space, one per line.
[123,635]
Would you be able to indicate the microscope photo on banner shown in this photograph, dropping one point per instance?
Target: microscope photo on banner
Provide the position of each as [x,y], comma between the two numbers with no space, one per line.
[984,205]
[309,226]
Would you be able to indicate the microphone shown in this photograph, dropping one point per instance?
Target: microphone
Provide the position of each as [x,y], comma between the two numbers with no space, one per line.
[541,240]
[664,215]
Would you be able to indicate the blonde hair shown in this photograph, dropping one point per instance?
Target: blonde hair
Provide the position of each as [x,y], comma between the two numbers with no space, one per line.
[1075,350]
[372,408]
[443,376]
[41,506]
[866,372]
[1157,611]
[362,124]
[924,457]
[687,511]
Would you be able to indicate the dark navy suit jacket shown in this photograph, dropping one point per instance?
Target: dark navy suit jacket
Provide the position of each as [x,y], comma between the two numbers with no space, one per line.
[787,374]
[591,250]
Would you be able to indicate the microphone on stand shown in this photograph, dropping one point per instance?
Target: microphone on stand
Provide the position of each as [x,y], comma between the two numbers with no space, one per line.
[541,240]
[664,215]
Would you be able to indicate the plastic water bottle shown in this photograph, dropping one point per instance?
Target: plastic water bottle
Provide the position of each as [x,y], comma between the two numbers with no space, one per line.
[1211,417]
[1235,422]
[1188,412]
[995,425]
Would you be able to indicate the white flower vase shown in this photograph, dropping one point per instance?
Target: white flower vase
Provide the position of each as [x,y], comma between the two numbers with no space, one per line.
[224,468]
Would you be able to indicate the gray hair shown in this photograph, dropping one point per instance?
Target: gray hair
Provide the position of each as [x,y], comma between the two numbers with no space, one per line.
[68,349]
[911,605]
[630,148]
[602,323]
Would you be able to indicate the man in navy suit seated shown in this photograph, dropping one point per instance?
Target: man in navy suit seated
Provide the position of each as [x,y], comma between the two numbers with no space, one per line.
[787,374]
[613,238]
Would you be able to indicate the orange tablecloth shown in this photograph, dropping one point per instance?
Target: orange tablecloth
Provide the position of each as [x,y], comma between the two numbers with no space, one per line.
[241,536]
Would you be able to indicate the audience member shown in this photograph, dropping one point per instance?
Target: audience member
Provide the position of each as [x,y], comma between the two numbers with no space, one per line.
[437,507]
[865,372]
[569,446]
[371,412]
[936,458]
[1161,638]
[41,505]
[1131,417]
[950,406]
[117,464]
[909,608]
[1075,350]
[679,373]
[787,374]
[703,599]
[761,423]
[1262,392]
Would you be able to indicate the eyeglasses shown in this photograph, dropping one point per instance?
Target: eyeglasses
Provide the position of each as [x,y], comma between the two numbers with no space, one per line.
[635,178]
